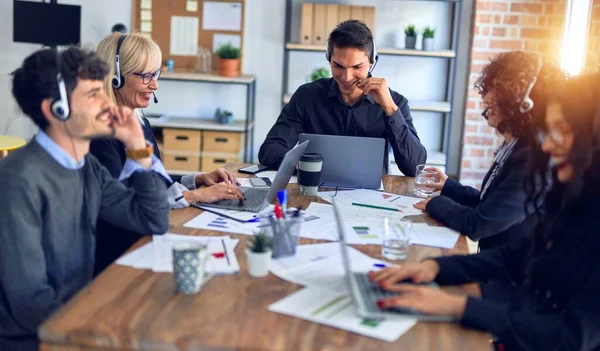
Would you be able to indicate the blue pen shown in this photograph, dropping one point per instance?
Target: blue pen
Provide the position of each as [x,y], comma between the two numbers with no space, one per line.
[379,265]
[282,197]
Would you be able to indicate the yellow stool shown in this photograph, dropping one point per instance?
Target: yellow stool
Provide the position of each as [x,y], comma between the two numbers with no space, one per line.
[9,143]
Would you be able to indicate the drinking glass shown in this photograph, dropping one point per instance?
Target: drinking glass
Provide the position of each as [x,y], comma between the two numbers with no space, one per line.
[396,239]
[423,177]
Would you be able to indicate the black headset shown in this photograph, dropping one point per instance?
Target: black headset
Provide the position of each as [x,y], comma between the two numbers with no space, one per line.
[117,80]
[60,107]
[527,104]
[373,57]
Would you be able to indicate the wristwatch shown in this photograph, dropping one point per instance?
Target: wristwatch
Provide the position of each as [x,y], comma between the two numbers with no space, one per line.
[137,154]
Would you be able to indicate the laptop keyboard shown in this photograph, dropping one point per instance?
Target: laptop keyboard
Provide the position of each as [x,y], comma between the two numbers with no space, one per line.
[254,197]
[371,292]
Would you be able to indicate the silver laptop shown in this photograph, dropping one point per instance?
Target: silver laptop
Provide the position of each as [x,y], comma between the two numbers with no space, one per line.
[259,198]
[365,294]
[348,162]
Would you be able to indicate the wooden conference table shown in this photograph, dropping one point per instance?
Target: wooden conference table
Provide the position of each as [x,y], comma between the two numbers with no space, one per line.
[130,309]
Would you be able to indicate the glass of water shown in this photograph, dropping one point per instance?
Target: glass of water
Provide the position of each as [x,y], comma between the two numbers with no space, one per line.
[423,177]
[396,239]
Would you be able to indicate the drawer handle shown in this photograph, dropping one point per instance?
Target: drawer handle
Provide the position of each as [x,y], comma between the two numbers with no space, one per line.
[182,137]
[221,140]
[183,159]
[219,160]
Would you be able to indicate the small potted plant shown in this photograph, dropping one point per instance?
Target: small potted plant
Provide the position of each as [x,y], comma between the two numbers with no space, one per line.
[229,63]
[223,116]
[319,73]
[428,35]
[258,254]
[411,36]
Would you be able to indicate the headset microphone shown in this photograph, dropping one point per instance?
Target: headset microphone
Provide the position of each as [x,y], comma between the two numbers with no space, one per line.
[155,99]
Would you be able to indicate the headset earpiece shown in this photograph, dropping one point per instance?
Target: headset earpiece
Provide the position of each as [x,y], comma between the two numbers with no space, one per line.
[527,104]
[60,107]
[117,80]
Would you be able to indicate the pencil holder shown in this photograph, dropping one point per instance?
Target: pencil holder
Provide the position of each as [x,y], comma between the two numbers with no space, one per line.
[284,232]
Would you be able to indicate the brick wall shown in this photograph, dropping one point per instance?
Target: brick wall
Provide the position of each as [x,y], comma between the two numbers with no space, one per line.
[504,25]
[593,56]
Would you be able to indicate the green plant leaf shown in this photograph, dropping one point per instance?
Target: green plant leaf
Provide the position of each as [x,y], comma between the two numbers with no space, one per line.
[260,242]
[319,73]
[228,51]
[428,32]
[410,31]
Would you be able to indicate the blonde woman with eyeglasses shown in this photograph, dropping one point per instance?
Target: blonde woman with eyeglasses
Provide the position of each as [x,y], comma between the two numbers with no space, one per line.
[134,62]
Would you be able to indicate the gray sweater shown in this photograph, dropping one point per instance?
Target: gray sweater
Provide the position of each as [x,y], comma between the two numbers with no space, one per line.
[47,223]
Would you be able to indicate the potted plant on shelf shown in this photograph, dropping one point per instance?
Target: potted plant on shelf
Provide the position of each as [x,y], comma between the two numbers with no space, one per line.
[319,73]
[223,116]
[428,35]
[229,63]
[258,254]
[411,36]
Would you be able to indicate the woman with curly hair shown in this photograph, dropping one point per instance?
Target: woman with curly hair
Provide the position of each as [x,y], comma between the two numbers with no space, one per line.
[514,87]
[557,306]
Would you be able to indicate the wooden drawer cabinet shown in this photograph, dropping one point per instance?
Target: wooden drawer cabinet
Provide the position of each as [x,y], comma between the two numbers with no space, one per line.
[181,162]
[210,162]
[228,142]
[182,140]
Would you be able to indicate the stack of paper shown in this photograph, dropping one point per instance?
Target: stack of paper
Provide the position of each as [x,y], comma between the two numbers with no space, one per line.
[314,227]
[224,223]
[403,204]
[321,266]
[426,235]
[158,255]
[336,310]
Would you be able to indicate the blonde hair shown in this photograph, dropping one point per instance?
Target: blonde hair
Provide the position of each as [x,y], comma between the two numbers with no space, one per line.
[138,53]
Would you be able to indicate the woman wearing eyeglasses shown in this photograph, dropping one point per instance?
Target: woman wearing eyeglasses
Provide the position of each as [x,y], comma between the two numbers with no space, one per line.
[513,87]
[558,305]
[132,83]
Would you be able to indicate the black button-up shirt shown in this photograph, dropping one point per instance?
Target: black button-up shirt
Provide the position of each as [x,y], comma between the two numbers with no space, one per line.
[317,108]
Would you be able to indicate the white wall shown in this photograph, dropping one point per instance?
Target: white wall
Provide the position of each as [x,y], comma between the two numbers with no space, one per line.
[416,78]
[97,18]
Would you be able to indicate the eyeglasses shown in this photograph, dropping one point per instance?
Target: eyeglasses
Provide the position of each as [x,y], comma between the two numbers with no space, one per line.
[556,136]
[148,77]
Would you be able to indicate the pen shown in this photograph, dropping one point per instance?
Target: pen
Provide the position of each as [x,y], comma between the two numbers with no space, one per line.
[379,265]
[282,197]
[376,207]
[278,212]
[225,251]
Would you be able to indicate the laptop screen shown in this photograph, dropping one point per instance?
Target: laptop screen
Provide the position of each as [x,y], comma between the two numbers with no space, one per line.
[345,256]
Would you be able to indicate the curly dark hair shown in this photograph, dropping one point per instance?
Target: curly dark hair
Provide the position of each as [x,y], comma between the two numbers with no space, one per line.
[509,75]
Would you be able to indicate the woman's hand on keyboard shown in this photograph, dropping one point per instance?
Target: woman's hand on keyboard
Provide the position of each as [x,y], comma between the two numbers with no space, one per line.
[220,191]
[424,299]
[424,272]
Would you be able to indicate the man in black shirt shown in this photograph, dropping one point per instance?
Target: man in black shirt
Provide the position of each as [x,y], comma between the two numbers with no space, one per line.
[351,103]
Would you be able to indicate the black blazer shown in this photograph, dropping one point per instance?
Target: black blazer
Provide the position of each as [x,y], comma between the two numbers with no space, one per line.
[558,306]
[113,241]
[499,216]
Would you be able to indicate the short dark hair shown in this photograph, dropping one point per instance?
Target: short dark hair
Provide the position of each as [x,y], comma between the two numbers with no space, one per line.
[351,34]
[35,80]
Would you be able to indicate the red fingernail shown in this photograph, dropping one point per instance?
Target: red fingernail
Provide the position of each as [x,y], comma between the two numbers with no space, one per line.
[380,303]
[218,254]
